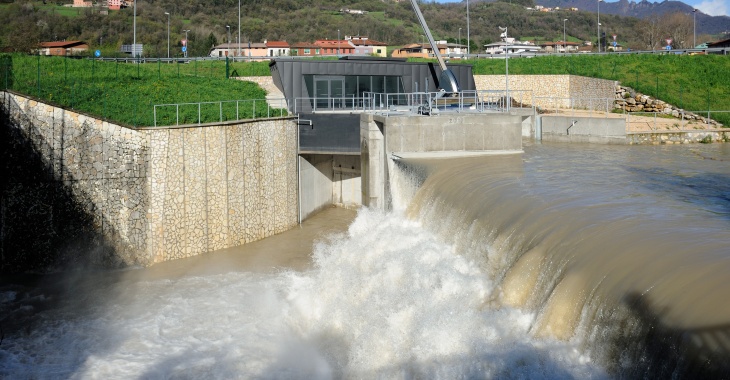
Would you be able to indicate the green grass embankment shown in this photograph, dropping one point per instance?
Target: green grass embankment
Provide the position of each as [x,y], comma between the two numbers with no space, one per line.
[127,92]
[697,83]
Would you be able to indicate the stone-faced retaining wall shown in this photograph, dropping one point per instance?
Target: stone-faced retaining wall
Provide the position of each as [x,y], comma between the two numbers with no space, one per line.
[559,88]
[80,191]
[678,137]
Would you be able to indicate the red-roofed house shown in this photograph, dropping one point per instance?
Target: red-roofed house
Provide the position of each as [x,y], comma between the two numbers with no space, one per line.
[277,48]
[63,47]
[334,47]
[418,51]
[366,46]
[304,49]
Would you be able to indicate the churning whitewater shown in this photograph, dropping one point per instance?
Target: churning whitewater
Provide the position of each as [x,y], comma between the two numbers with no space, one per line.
[567,261]
[386,299]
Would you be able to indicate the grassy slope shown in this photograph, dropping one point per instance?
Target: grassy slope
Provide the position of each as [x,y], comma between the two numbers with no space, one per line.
[126,92]
[695,83]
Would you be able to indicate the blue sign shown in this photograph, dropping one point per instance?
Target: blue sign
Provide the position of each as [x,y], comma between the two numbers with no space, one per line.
[614,43]
[669,47]
[185,48]
[97,53]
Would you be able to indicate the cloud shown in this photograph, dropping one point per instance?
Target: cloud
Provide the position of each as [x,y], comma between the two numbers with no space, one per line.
[713,7]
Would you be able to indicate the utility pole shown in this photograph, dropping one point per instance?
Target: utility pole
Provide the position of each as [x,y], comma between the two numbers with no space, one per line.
[168,34]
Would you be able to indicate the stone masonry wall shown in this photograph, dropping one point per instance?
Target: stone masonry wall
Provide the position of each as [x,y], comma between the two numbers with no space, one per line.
[551,91]
[219,187]
[109,196]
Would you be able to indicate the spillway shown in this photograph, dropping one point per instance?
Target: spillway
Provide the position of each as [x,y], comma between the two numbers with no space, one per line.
[565,261]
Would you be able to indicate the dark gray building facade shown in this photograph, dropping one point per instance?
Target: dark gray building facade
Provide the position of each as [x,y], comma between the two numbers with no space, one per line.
[329,95]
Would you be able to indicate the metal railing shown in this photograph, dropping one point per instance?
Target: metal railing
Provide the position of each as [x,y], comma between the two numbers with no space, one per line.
[226,110]
[414,102]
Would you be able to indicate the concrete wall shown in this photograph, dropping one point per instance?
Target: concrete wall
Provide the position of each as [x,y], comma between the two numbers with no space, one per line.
[382,136]
[583,129]
[559,88]
[329,180]
[450,133]
[109,196]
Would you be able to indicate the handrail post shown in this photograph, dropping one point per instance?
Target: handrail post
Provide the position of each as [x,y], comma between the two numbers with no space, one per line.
[177,114]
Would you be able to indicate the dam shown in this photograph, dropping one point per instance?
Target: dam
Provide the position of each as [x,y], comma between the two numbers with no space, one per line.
[561,261]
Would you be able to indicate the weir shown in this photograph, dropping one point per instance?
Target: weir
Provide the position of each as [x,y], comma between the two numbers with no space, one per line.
[636,277]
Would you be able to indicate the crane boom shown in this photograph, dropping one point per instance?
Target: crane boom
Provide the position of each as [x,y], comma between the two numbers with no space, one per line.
[447,80]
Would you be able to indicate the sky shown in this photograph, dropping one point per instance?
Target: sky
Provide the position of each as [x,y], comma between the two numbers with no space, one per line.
[710,7]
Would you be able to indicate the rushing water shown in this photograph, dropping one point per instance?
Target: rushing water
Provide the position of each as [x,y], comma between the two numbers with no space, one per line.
[567,261]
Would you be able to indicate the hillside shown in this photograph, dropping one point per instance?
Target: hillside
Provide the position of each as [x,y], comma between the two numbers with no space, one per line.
[23,23]
[706,24]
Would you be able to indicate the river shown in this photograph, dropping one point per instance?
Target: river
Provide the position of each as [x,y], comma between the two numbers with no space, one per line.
[566,261]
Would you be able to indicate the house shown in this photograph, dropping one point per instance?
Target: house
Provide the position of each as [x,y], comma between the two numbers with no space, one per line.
[511,46]
[559,46]
[119,4]
[334,48]
[247,49]
[63,48]
[418,51]
[365,46]
[277,48]
[81,4]
[304,49]
[719,44]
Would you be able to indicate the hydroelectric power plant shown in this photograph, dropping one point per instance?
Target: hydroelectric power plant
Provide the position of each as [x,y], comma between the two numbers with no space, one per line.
[474,238]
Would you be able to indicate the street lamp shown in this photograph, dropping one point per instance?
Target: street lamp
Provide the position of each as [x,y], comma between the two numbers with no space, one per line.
[187,43]
[468,44]
[506,65]
[338,42]
[565,44]
[228,31]
[134,32]
[694,28]
[168,34]
[599,25]
[459,38]
[238,40]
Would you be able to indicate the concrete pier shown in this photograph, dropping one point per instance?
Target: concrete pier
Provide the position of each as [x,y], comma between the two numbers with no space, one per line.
[383,136]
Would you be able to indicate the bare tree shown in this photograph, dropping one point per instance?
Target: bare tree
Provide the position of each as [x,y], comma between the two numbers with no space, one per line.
[650,32]
[678,27]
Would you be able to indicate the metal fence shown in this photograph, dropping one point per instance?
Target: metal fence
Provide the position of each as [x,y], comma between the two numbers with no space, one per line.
[657,121]
[227,110]
[415,103]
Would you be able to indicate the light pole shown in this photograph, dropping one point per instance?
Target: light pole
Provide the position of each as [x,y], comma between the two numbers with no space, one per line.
[228,31]
[338,42]
[239,28]
[468,44]
[168,34]
[187,43]
[506,65]
[694,28]
[134,32]
[565,44]
[599,25]
[459,38]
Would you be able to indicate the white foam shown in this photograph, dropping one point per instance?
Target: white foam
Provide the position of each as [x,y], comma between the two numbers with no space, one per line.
[387,299]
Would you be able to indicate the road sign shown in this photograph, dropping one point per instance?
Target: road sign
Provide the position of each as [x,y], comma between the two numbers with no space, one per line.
[614,37]
[669,41]
[97,53]
[184,49]
[614,44]
[184,42]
